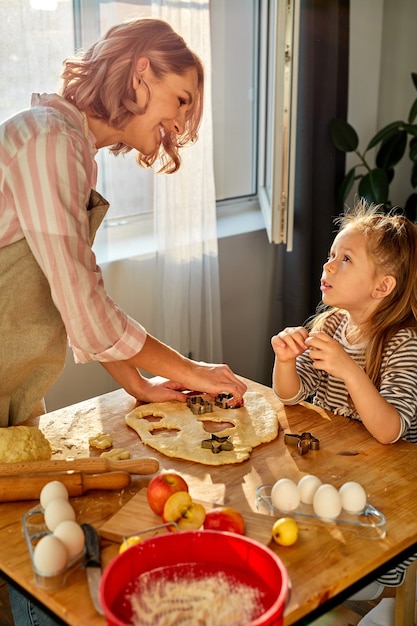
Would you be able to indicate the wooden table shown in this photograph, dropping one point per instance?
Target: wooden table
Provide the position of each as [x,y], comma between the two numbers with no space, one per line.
[328,559]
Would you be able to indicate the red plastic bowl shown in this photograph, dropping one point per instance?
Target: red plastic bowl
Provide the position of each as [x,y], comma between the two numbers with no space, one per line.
[237,556]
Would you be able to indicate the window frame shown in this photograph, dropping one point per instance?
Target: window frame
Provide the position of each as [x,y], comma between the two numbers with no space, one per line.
[278,95]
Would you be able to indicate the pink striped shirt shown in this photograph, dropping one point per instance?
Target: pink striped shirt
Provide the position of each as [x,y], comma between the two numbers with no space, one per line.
[47,171]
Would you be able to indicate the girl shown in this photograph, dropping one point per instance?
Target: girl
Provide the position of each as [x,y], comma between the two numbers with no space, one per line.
[358,356]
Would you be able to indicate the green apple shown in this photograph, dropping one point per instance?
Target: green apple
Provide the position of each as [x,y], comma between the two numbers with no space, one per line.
[181,509]
[285,531]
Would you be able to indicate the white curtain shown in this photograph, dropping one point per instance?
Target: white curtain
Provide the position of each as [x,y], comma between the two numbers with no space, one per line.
[188,308]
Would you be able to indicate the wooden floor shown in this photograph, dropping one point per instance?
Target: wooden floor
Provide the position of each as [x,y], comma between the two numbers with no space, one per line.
[347,614]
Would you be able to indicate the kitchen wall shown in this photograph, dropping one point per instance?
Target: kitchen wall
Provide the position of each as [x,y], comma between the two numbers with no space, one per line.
[383,53]
[246,288]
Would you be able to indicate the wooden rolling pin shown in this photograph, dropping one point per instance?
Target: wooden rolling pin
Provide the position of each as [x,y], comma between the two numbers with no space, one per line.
[26,487]
[93,465]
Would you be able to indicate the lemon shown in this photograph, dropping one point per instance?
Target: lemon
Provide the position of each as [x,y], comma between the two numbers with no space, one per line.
[285,531]
[129,542]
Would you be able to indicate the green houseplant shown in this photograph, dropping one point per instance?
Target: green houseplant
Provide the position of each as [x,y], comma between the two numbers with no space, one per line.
[391,143]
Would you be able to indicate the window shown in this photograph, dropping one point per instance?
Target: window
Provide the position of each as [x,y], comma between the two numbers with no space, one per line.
[278,54]
[251,111]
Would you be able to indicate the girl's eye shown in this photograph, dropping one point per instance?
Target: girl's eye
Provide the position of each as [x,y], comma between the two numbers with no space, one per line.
[346,258]
[182,102]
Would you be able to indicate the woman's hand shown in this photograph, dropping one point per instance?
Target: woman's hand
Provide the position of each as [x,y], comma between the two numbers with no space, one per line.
[214,379]
[289,343]
[162,361]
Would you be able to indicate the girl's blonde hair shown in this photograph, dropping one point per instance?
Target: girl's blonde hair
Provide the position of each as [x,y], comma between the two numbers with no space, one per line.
[391,242]
[100,81]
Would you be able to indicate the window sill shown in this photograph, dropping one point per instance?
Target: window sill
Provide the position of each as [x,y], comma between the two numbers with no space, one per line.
[114,241]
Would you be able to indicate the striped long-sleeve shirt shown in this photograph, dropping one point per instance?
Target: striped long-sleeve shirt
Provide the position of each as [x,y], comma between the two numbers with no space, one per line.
[398,387]
[47,171]
[398,377]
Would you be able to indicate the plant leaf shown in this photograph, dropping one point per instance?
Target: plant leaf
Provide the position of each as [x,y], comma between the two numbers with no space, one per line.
[384,133]
[413,179]
[374,186]
[345,187]
[411,129]
[413,112]
[391,150]
[343,135]
[413,149]
[414,78]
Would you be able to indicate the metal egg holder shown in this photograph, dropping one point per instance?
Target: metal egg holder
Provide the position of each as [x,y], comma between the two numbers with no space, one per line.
[369,524]
[34,528]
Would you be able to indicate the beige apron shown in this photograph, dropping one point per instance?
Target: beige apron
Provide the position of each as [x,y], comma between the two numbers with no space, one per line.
[33,340]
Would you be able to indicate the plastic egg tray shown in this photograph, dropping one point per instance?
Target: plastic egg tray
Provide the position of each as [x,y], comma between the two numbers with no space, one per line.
[369,524]
[34,528]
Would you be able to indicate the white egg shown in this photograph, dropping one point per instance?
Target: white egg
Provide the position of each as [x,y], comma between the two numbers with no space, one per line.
[285,495]
[353,497]
[50,555]
[307,486]
[57,511]
[327,501]
[52,490]
[72,536]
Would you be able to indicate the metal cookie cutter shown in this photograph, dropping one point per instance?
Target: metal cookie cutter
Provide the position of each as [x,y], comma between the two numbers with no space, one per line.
[222,401]
[199,405]
[304,442]
[217,444]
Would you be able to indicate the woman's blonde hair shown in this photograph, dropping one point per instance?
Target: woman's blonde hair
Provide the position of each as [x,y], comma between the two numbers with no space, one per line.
[100,81]
[391,242]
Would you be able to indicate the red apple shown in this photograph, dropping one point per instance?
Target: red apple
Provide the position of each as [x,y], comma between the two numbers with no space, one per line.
[225,518]
[161,487]
[181,509]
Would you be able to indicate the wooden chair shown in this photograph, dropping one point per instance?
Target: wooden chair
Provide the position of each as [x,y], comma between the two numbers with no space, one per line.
[405,598]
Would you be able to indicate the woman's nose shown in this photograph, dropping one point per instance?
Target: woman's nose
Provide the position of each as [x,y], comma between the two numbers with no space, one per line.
[178,124]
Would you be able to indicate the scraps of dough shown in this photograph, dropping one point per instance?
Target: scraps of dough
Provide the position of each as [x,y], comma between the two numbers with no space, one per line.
[179,432]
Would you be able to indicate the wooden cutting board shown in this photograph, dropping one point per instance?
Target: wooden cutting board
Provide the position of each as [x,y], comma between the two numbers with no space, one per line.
[136,516]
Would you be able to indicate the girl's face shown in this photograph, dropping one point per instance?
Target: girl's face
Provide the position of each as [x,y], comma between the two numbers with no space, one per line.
[169,104]
[350,279]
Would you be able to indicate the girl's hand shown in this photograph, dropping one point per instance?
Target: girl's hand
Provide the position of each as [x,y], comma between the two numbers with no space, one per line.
[289,343]
[328,355]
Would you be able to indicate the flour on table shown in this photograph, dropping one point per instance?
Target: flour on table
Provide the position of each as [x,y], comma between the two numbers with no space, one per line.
[179,432]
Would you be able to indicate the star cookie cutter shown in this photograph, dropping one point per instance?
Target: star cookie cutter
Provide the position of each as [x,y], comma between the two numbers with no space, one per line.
[304,442]
[217,444]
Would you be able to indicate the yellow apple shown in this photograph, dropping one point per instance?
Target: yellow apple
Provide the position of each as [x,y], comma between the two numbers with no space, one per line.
[285,531]
[129,542]
[181,509]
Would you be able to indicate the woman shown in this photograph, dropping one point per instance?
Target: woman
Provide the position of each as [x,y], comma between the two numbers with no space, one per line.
[141,88]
